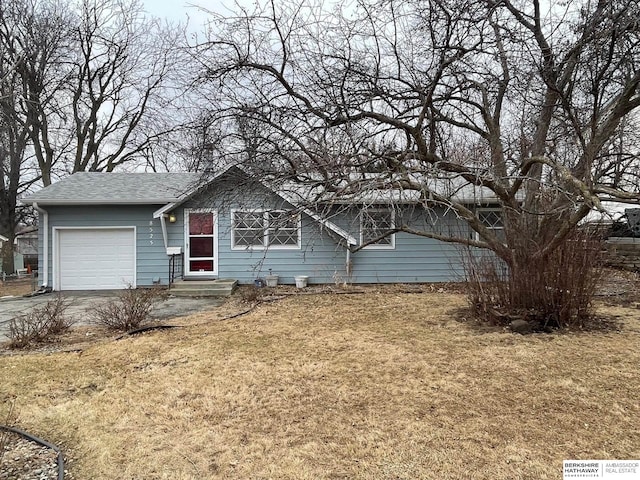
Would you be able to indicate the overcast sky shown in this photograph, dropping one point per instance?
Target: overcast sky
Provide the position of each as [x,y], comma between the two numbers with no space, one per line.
[181,10]
[172,9]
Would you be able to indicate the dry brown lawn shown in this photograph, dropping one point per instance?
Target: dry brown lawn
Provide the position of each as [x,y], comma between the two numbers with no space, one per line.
[382,385]
[17,287]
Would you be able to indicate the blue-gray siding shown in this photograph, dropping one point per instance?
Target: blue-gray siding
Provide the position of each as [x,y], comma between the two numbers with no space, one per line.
[151,257]
[321,257]
[414,258]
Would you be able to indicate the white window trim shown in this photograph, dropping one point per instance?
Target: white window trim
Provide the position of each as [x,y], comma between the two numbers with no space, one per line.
[233,230]
[488,209]
[374,246]
[265,233]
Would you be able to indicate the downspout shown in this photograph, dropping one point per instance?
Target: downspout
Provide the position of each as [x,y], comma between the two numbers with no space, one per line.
[349,257]
[45,243]
[163,226]
[348,264]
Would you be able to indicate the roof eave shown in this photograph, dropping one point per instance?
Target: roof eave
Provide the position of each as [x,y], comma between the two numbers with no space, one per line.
[164,209]
[57,202]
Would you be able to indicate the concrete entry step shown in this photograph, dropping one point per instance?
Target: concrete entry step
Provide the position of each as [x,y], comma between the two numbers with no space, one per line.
[203,288]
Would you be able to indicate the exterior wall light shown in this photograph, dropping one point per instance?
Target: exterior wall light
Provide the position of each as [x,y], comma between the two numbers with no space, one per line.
[172,218]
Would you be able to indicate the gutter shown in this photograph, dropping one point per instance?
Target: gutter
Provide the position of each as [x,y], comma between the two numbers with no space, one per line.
[45,243]
[99,201]
[350,239]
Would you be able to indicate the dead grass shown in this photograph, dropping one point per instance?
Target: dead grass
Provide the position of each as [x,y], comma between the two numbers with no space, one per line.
[16,287]
[381,385]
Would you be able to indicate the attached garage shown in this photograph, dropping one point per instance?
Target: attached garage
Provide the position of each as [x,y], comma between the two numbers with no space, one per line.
[95,258]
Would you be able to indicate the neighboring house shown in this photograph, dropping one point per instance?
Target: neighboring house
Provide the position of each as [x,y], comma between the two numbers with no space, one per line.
[110,230]
[18,258]
[26,245]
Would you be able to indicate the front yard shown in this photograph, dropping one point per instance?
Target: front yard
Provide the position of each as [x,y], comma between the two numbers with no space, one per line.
[381,385]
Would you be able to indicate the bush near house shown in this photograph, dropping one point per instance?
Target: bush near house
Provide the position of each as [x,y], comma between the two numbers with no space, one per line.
[131,310]
[556,291]
[40,325]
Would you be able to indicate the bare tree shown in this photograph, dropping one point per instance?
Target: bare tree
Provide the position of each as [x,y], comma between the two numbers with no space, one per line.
[13,141]
[28,43]
[117,94]
[86,86]
[527,102]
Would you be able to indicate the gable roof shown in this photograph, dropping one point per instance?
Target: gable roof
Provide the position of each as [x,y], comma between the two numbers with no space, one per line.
[173,188]
[367,192]
[116,188]
[282,194]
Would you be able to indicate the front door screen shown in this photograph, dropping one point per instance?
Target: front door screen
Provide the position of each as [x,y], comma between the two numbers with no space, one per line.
[201,242]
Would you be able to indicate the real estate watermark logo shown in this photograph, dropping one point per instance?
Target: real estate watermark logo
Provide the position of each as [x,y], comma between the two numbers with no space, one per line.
[604,469]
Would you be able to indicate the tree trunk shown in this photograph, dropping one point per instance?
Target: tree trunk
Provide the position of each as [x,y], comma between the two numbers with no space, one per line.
[7,229]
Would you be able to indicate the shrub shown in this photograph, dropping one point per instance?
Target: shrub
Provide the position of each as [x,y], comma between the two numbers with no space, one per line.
[553,292]
[131,310]
[40,324]
[251,294]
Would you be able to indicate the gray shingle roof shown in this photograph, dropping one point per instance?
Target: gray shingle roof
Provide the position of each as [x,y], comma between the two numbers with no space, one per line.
[95,188]
[86,188]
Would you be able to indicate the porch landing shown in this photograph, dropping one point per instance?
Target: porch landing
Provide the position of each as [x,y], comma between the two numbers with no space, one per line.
[222,287]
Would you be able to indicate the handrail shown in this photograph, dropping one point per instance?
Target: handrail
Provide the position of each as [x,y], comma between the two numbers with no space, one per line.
[172,267]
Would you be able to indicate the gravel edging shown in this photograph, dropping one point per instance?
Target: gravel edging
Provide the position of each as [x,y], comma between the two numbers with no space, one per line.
[24,459]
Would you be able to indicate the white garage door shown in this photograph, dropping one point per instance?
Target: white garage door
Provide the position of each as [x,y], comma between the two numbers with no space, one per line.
[96,259]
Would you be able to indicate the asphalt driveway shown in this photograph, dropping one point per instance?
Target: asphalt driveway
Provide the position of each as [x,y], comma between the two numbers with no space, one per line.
[81,304]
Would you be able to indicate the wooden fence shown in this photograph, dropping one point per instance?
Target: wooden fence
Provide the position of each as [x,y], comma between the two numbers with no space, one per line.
[623,252]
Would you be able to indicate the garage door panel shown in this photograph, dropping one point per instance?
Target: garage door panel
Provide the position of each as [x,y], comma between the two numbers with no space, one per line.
[96,259]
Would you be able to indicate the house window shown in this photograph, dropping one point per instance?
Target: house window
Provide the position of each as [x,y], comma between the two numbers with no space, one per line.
[492,219]
[248,229]
[282,229]
[262,229]
[374,223]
